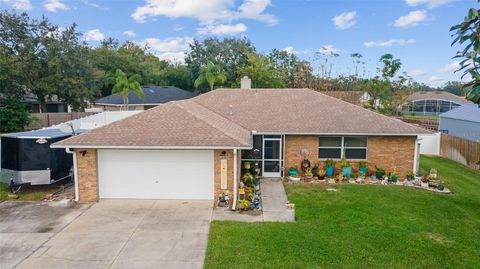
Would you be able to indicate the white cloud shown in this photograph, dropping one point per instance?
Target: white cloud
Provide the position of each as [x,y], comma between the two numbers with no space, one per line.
[205,11]
[328,49]
[417,73]
[222,29]
[451,67]
[130,33]
[94,35]
[389,43]
[54,5]
[345,20]
[412,19]
[177,27]
[435,81]
[289,50]
[429,3]
[18,4]
[171,49]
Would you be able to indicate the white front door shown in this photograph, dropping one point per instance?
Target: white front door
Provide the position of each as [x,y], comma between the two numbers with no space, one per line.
[272,157]
[156,174]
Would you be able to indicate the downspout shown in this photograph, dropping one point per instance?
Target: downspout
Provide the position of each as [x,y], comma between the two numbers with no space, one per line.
[235,183]
[415,157]
[75,172]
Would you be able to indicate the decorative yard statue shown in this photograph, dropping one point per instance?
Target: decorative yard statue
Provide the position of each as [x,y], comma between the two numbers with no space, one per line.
[305,163]
[223,199]
[256,202]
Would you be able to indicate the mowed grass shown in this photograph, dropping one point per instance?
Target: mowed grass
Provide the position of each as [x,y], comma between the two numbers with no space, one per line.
[363,226]
[29,193]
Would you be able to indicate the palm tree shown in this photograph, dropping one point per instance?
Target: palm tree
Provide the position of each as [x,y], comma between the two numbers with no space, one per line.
[124,85]
[210,74]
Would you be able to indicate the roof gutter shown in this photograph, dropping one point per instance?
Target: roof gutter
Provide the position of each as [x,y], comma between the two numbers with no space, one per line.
[343,134]
[149,147]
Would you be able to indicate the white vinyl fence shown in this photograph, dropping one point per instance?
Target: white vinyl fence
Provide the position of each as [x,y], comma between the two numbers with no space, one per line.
[430,144]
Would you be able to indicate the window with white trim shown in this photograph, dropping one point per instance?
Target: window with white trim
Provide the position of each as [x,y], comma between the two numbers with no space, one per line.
[333,147]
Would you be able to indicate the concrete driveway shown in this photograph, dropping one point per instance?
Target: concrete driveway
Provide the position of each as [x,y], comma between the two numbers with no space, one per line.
[26,226]
[130,234]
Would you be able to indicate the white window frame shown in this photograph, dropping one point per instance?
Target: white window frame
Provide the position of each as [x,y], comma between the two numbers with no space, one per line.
[343,148]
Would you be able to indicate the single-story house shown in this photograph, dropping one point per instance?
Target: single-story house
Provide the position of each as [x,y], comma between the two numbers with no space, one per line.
[463,121]
[154,96]
[431,102]
[195,148]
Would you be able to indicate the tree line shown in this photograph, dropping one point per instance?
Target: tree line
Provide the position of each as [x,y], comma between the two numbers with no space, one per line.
[40,58]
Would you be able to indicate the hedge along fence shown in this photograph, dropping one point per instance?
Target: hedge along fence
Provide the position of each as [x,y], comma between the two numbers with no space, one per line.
[460,150]
[41,120]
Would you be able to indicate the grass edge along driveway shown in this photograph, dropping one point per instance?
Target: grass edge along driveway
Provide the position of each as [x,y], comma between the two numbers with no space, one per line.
[363,226]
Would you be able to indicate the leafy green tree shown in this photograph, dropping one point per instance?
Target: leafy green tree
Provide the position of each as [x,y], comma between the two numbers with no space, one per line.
[262,72]
[124,85]
[377,88]
[229,54]
[14,116]
[467,33]
[390,66]
[38,57]
[210,74]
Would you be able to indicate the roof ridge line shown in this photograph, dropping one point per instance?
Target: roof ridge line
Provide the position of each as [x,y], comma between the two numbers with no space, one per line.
[226,132]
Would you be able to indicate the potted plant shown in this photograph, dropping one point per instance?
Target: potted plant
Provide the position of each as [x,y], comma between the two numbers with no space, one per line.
[346,168]
[380,172]
[329,167]
[393,175]
[293,171]
[244,204]
[410,175]
[363,167]
[305,163]
[424,183]
[308,175]
[321,174]
[315,170]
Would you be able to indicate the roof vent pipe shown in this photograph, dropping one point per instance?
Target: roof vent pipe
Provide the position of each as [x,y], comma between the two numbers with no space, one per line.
[245,83]
[230,110]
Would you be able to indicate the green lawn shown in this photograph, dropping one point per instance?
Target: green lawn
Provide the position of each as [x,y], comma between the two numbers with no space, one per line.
[419,116]
[28,193]
[363,226]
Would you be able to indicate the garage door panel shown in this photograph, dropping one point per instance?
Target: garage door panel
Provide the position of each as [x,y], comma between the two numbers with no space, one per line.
[156,174]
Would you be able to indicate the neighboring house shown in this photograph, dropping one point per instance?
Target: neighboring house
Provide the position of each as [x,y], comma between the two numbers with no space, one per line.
[431,103]
[154,96]
[53,104]
[194,149]
[463,121]
[360,98]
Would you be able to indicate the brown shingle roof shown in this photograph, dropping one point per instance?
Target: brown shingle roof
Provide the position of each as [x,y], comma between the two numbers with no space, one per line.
[349,96]
[434,95]
[175,124]
[208,121]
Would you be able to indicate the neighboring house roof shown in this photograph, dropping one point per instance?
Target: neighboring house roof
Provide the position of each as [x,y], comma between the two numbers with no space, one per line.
[229,117]
[436,95]
[154,95]
[466,112]
[354,97]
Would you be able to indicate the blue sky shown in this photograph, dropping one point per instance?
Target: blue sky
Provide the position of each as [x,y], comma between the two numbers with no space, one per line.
[416,31]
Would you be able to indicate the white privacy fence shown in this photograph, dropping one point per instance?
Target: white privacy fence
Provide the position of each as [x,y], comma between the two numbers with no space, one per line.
[430,144]
[100,119]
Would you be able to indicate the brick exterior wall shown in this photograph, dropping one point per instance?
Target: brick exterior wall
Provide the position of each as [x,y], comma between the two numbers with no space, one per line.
[383,151]
[389,151]
[217,171]
[294,144]
[87,175]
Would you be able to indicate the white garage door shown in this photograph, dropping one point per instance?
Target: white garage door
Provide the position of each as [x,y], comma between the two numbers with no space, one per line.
[156,174]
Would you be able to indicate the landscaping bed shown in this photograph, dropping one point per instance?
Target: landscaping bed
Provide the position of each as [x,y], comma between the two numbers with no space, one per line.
[360,226]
